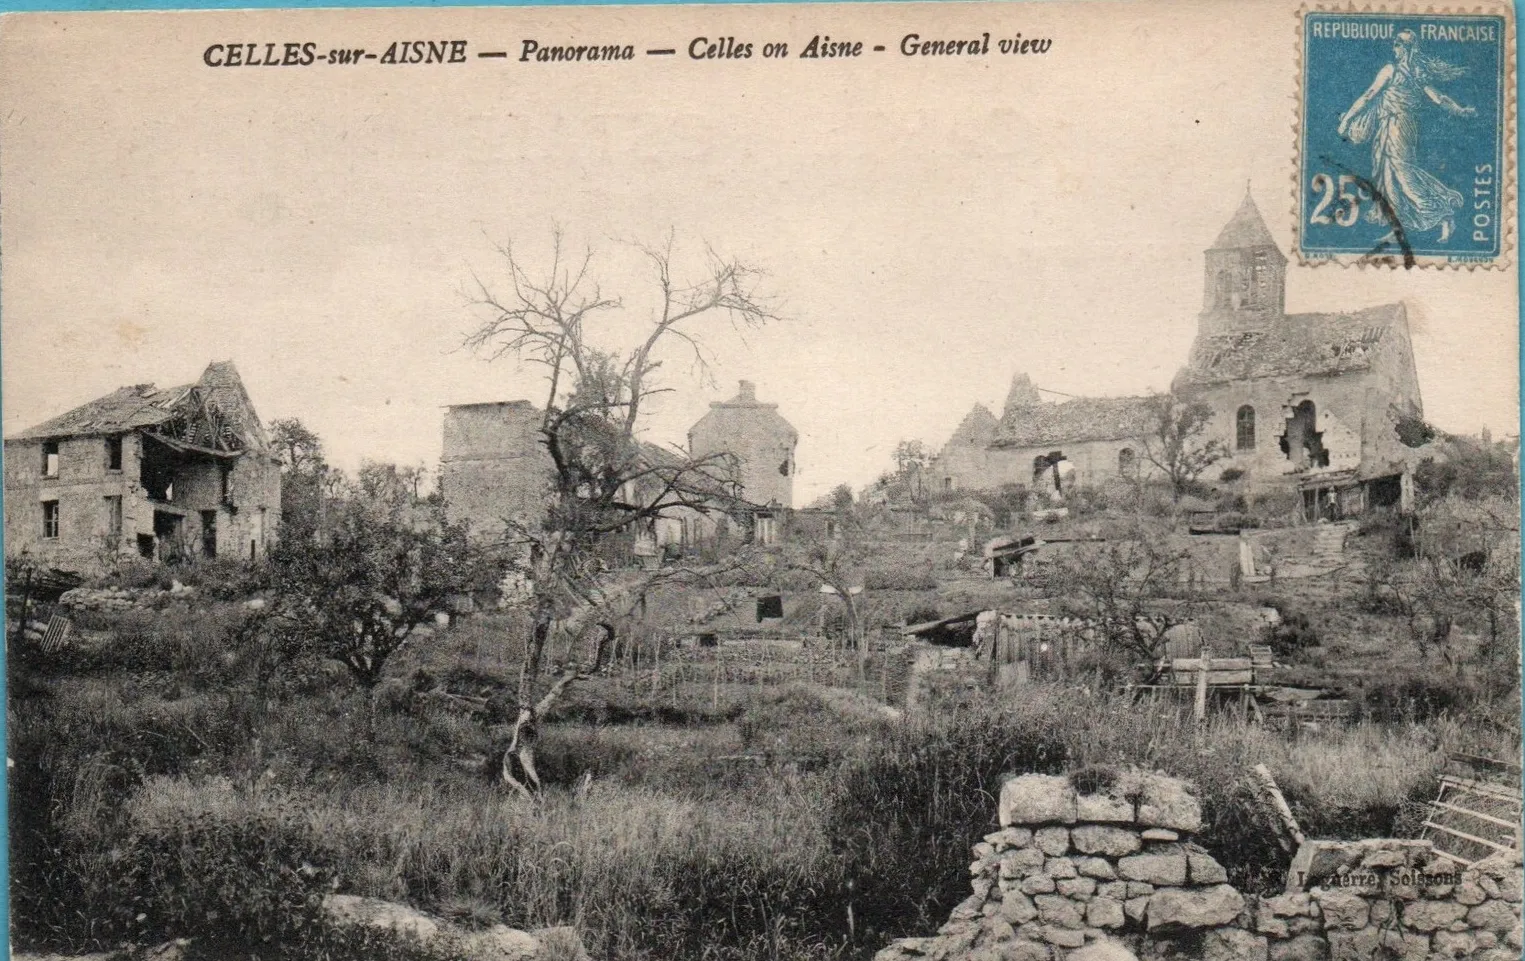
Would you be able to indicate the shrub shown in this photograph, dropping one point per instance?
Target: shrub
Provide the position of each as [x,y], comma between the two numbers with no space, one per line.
[1293,634]
[1230,475]
[1421,696]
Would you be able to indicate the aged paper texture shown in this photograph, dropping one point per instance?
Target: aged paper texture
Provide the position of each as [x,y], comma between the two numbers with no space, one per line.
[685,482]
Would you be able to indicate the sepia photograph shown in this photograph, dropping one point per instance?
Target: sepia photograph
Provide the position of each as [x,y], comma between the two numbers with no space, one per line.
[921,481]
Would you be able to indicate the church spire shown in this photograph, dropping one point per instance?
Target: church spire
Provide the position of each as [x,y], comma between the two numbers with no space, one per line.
[1246,229]
[1246,275]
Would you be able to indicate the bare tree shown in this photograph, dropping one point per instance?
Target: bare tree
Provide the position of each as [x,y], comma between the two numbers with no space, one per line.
[1128,594]
[604,482]
[1173,441]
[835,559]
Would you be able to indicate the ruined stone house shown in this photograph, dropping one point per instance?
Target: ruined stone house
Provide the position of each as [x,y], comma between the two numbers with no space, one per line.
[172,474]
[496,472]
[758,444]
[1310,401]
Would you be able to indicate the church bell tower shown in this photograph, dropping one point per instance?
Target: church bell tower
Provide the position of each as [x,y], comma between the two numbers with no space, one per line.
[1246,278]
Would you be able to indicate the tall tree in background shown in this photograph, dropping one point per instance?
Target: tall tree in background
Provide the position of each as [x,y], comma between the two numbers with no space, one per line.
[306,478]
[1173,441]
[604,481]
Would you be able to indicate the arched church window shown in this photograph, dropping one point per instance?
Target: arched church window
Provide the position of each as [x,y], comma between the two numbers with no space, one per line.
[1244,423]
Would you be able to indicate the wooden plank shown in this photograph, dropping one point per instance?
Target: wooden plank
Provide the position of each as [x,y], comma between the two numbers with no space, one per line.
[1469,837]
[1268,785]
[1501,791]
[1476,814]
[1213,664]
[1199,703]
[57,634]
[1215,678]
[1484,761]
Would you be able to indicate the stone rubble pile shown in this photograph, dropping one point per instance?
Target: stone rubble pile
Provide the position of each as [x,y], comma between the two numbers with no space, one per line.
[121,598]
[1108,871]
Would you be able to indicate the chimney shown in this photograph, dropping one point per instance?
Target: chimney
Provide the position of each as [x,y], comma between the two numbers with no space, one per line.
[748,393]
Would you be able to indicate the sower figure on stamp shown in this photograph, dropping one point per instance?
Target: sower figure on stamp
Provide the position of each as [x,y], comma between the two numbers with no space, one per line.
[1388,114]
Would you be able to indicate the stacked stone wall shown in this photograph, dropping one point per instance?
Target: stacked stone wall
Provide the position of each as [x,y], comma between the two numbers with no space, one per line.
[1102,866]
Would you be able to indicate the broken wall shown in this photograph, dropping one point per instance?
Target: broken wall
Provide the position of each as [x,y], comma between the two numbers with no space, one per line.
[1102,865]
[1352,411]
[494,466]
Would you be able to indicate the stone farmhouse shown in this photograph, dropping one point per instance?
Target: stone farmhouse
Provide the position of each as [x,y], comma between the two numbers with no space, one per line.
[1310,401]
[495,470]
[172,474]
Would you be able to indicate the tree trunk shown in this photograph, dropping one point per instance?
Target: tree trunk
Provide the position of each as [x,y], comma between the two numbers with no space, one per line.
[529,671]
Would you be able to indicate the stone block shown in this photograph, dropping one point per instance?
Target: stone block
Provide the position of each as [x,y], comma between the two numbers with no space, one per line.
[1304,947]
[1103,839]
[1353,945]
[1432,915]
[1159,834]
[1104,949]
[1034,799]
[1052,841]
[1038,884]
[348,910]
[1054,909]
[1165,866]
[1025,951]
[500,943]
[1272,926]
[1116,890]
[1009,838]
[1136,908]
[1343,910]
[1233,944]
[1058,868]
[1404,945]
[1289,905]
[1099,868]
[1494,916]
[1196,908]
[1105,913]
[1103,809]
[1063,937]
[1454,944]
[1021,862]
[1470,894]
[1166,802]
[1078,888]
[1202,868]
[1017,908]
[1139,889]
[999,929]
[1317,860]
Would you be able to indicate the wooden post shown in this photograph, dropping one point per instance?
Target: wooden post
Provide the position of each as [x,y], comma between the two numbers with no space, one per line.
[1279,805]
[1199,704]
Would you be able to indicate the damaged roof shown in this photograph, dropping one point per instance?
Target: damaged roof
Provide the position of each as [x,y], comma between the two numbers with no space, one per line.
[1074,421]
[977,429]
[1298,344]
[143,406]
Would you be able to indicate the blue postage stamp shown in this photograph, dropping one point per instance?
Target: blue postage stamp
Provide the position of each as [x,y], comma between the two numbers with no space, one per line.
[1402,138]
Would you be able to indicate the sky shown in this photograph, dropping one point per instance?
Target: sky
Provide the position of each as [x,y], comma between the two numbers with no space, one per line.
[928,226]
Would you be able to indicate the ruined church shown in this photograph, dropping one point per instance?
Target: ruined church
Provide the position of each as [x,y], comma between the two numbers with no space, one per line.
[1311,401]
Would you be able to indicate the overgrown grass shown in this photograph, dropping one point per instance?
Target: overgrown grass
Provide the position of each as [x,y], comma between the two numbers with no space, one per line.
[800,823]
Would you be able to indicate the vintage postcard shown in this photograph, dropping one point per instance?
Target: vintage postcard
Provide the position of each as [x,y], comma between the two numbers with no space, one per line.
[763,482]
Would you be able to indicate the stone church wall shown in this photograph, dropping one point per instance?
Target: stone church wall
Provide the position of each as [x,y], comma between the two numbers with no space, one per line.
[1101,866]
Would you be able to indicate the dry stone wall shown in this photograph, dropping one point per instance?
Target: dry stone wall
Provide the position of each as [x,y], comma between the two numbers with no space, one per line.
[1108,871]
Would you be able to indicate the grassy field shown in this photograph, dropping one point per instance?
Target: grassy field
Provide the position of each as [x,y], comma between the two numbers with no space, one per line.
[726,803]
